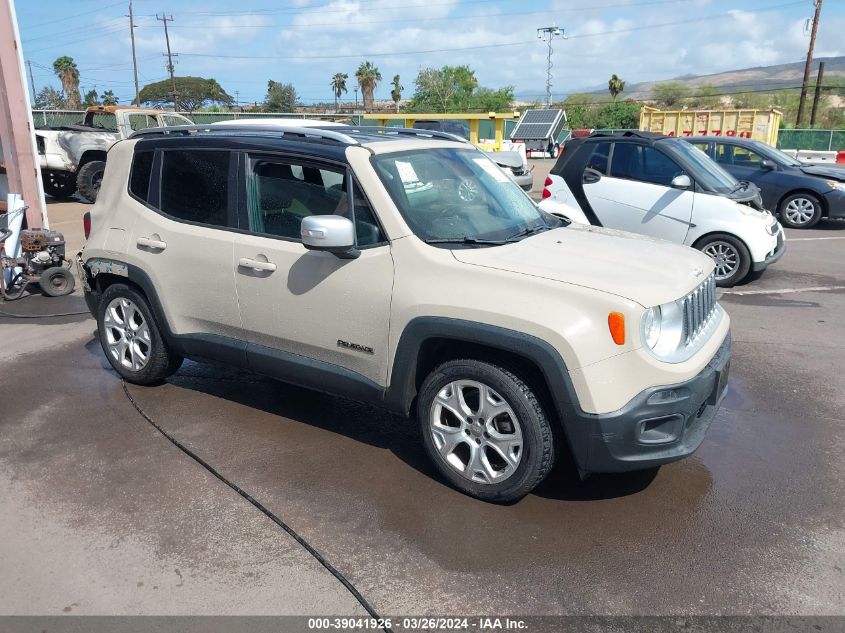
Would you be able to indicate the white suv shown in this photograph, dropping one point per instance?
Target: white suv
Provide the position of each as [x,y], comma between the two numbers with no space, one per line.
[410,273]
[664,187]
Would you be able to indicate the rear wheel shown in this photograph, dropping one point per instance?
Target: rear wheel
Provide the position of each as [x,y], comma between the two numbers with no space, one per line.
[731,256]
[131,338]
[58,184]
[800,210]
[89,178]
[485,430]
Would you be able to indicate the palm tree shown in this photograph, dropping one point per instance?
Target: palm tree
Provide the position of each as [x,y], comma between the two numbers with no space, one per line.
[109,98]
[368,77]
[338,85]
[67,72]
[396,93]
[615,86]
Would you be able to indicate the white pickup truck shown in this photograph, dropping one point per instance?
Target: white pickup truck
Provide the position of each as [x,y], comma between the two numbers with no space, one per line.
[73,157]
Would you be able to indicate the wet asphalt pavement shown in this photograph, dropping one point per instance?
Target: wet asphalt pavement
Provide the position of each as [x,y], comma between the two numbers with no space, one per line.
[753,523]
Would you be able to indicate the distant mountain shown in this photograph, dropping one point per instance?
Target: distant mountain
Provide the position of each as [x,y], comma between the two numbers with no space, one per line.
[760,78]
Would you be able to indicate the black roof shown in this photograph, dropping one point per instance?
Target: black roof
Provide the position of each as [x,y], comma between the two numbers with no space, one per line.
[649,136]
[737,140]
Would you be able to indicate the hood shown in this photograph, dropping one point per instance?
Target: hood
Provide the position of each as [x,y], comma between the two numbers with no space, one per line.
[506,159]
[635,267]
[748,193]
[825,171]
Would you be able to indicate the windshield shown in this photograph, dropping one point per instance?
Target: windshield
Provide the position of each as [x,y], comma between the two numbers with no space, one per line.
[705,170]
[767,151]
[459,195]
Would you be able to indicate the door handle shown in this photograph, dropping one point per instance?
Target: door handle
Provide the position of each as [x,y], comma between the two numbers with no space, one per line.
[149,242]
[255,264]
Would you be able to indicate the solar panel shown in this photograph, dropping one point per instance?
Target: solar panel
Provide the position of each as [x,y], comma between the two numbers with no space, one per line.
[538,124]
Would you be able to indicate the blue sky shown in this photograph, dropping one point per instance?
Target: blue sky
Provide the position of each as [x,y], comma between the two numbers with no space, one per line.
[243,44]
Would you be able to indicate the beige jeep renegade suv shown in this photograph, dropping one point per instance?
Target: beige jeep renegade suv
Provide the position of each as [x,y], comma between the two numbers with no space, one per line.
[403,269]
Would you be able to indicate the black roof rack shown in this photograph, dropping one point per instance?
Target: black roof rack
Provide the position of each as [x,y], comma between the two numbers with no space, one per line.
[300,133]
[629,134]
[370,130]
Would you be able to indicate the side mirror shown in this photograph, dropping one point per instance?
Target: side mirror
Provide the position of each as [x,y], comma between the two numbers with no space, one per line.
[768,165]
[332,233]
[590,176]
[681,182]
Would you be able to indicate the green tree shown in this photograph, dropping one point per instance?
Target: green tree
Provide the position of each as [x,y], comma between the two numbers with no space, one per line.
[396,93]
[192,93]
[580,110]
[489,100]
[623,115]
[339,86]
[706,97]
[615,86]
[751,100]
[109,99]
[91,98]
[67,72]
[670,93]
[368,77]
[280,97]
[48,98]
[449,89]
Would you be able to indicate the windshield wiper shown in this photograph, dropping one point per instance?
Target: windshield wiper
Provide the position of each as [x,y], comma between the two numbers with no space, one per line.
[528,231]
[464,240]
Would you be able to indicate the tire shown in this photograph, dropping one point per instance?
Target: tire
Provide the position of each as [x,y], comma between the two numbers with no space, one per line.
[88,179]
[800,210]
[730,255]
[131,338]
[553,150]
[57,281]
[497,452]
[58,184]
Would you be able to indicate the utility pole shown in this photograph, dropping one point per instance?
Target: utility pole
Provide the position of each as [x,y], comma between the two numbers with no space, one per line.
[166,19]
[817,95]
[809,63]
[547,34]
[31,81]
[134,60]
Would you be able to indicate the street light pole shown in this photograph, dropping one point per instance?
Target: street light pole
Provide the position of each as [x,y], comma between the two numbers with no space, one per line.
[547,34]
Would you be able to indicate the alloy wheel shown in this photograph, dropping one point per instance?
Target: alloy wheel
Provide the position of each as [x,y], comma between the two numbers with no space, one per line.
[476,432]
[725,256]
[127,334]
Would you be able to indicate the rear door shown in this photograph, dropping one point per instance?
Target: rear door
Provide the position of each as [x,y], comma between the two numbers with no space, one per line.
[183,238]
[628,187]
[745,164]
[302,304]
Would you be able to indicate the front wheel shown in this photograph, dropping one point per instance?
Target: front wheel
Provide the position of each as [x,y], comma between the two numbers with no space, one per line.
[57,281]
[58,184]
[89,178]
[800,211]
[485,430]
[731,256]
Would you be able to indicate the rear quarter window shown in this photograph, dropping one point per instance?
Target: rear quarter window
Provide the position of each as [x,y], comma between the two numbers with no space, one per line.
[139,176]
[195,186]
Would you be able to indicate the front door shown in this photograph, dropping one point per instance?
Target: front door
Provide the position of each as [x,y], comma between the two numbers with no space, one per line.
[310,305]
[635,194]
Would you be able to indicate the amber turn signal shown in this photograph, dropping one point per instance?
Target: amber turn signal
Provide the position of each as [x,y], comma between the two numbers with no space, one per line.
[616,324]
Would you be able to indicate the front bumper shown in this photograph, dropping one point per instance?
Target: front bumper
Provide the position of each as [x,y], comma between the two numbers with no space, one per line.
[774,255]
[835,200]
[526,181]
[660,425]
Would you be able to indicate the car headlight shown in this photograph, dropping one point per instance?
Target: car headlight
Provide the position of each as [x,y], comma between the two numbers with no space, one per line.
[662,329]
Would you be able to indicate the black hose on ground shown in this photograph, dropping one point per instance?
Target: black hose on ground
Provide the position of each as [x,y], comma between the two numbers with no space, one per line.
[260,507]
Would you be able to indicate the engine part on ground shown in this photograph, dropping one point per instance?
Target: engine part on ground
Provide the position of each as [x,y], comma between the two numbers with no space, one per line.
[42,261]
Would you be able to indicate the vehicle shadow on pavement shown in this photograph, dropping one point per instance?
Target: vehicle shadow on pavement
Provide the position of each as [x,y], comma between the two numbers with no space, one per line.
[364,423]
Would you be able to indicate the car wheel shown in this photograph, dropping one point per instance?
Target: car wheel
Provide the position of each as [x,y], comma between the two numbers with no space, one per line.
[58,184]
[89,178]
[57,281]
[131,338]
[553,150]
[731,256]
[485,430]
[800,210]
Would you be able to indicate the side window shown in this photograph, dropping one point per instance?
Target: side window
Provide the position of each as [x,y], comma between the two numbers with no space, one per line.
[139,177]
[646,164]
[702,146]
[195,186]
[281,193]
[599,157]
[141,121]
[746,157]
[172,119]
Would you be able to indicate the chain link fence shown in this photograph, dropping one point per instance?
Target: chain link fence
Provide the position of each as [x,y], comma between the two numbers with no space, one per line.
[59,118]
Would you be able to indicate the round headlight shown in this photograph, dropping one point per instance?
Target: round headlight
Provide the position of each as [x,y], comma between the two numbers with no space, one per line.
[651,326]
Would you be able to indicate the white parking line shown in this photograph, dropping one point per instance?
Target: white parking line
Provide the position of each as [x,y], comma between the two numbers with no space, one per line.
[811,239]
[783,291]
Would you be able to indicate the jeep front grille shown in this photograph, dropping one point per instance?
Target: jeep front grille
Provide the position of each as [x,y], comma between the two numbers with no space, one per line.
[699,306]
